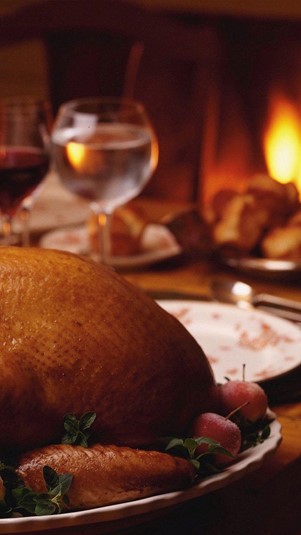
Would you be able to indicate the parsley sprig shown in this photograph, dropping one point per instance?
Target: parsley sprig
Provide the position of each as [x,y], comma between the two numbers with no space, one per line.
[254,433]
[78,430]
[203,462]
[20,500]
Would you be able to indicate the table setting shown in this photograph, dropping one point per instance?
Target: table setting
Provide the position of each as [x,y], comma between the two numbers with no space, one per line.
[245,317]
[146,243]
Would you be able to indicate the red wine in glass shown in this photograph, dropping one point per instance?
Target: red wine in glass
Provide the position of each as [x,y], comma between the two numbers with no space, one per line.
[24,154]
[21,171]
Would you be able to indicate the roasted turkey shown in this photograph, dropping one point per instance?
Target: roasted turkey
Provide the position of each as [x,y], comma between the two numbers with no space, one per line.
[77,337]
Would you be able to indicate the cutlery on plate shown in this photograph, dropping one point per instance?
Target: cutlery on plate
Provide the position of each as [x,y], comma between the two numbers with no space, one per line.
[243,295]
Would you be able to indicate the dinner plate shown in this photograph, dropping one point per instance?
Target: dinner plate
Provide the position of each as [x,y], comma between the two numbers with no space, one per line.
[157,244]
[268,346]
[248,461]
[263,266]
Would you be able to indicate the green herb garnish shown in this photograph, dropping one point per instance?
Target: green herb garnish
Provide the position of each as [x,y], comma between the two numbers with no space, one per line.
[254,433]
[77,431]
[23,501]
[187,448]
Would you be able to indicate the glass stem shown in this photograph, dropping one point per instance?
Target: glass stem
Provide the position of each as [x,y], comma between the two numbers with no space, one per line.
[6,229]
[103,250]
[25,213]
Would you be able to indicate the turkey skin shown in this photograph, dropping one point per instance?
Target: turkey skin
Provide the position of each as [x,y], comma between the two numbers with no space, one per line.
[77,337]
[104,475]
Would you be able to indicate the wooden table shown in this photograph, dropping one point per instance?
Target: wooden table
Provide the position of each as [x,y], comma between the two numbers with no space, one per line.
[265,502]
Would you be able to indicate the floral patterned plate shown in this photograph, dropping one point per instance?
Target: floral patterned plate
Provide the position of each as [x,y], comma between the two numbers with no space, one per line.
[230,337]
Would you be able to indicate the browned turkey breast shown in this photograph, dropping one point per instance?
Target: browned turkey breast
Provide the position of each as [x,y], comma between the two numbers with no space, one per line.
[76,337]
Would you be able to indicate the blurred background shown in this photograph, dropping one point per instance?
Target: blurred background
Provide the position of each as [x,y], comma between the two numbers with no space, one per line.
[19,75]
[215,88]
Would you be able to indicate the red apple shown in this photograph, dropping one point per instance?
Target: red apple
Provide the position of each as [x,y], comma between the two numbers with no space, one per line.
[218,428]
[250,397]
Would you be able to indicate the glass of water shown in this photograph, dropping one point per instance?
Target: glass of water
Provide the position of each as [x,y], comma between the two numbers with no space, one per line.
[104,150]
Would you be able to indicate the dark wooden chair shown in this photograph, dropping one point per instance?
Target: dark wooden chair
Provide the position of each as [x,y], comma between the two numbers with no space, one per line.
[111,47]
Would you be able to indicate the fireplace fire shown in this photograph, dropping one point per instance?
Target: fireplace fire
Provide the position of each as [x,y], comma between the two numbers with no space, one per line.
[282,140]
[251,157]
[254,125]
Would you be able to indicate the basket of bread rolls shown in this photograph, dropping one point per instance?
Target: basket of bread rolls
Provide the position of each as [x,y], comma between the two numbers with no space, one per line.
[264,220]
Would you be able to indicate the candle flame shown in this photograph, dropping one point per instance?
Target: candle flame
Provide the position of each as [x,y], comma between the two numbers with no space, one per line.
[282,141]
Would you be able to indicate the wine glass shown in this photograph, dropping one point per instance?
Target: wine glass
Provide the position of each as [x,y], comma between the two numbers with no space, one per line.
[24,155]
[104,150]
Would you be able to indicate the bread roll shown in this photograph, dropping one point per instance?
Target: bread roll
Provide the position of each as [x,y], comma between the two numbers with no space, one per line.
[251,221]
[284,243]
[77,337]
[240,225]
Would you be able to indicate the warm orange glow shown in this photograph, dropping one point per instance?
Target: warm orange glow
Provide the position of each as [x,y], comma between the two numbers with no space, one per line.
[75,153]
[282,141]
[154,154]
[84,159]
